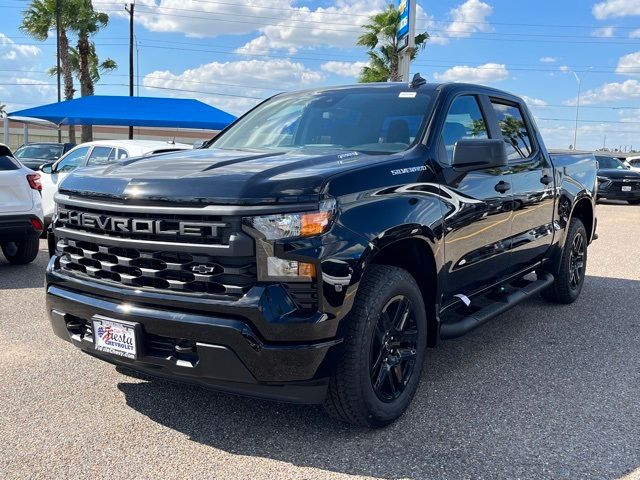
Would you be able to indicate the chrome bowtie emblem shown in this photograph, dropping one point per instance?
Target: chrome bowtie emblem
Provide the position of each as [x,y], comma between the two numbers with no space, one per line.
[626,180]
[202,269]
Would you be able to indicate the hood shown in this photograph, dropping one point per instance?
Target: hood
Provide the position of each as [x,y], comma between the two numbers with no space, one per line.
[617,173]
[216,176]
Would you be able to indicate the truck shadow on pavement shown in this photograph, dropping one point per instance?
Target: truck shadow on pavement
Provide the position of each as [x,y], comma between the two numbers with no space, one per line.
[542,391]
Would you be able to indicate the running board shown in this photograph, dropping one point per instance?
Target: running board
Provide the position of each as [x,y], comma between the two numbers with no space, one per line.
[468,323]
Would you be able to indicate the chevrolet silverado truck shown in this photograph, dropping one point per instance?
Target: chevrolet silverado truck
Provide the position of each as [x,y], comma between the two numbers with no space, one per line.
[317,247]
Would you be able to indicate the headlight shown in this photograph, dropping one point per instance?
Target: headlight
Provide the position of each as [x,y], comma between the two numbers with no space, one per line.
[603,181]
[268,228]
[290,225]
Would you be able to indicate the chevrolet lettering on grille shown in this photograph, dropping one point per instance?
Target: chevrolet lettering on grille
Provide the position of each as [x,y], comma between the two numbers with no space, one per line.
[142,226]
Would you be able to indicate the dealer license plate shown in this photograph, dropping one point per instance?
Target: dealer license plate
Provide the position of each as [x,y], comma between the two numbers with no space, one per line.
[116,338]
[626,189]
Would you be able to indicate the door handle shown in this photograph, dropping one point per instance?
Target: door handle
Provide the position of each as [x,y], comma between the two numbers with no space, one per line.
[546,179]
[502,186]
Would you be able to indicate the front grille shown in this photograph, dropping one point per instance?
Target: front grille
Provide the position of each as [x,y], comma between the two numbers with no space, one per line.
[158,269]
[618,184]
[175,228]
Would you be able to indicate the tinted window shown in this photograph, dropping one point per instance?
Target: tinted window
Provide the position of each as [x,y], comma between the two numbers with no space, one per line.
[514,131]
[464,120]
[6,163]
[122,154]
[610,162]
[99,156]
[353,119]
[41,152]
[72,161]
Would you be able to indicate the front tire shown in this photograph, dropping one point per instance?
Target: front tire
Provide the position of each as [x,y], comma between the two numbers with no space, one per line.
[384,350]
[22,252]
[568,282]
[634,201]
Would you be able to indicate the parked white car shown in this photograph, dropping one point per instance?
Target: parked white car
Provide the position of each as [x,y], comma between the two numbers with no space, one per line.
[633,163]
[95,153]
[21,216]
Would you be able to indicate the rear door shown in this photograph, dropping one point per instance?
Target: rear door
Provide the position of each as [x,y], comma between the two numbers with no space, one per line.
[15,194]
[532,182]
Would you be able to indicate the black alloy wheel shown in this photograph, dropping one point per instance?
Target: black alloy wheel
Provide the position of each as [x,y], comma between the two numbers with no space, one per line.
[576,261]
[393,349]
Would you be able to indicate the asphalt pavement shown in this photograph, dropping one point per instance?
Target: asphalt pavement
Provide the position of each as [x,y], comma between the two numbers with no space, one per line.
[543,391]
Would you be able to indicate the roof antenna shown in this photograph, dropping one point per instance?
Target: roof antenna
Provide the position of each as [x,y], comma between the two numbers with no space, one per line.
[417,81]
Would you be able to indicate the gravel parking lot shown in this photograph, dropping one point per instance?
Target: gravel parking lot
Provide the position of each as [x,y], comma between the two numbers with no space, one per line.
[544,391]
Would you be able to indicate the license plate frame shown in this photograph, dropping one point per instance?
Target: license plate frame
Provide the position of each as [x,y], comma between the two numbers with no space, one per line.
[116,337]
[626,188]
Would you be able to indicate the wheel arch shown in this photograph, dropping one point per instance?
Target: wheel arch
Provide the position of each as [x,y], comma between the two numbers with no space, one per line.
[416,257]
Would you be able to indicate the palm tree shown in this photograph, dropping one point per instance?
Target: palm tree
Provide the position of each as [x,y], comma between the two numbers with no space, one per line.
[381,38]
[3,110]
[37,21]
[96,67]
[86,23]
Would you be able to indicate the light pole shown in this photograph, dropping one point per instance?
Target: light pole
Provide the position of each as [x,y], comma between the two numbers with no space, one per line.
[58,61]
[575,132]
[130,10]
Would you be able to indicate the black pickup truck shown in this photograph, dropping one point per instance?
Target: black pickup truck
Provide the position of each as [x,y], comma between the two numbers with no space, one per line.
[313,250]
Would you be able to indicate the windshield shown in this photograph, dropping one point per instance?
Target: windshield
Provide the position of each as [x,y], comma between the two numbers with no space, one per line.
[43,152]
[356,119]
[611,162]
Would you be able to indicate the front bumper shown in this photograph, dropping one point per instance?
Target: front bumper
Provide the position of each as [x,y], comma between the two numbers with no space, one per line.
[209,343]
[17,227]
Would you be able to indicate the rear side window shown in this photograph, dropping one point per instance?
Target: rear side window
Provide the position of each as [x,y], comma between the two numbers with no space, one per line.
[100,156]
[7,163]
[464,120]
[514,130]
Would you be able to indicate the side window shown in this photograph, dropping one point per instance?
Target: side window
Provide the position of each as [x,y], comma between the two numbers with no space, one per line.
[99,156]
[72,161]
[464,120]
[514,130]
[122,154]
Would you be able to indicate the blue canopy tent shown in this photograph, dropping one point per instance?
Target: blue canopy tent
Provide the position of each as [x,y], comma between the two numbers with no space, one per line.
[130,111]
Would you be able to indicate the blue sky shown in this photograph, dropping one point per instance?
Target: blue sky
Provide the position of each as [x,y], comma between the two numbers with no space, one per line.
[232,53]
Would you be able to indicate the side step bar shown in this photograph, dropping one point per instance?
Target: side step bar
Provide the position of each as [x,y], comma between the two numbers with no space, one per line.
[468,323]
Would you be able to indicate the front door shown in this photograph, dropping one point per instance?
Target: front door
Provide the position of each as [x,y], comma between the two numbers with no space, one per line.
[533,186]
[478,203]
[62,168]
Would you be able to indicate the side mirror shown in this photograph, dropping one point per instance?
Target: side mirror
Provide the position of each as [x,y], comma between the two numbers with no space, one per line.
[198,144]
[47,168]
[479,154]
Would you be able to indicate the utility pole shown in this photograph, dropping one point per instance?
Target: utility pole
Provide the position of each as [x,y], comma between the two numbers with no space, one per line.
[58,60]
[604,142]
[130,11]
[406,36]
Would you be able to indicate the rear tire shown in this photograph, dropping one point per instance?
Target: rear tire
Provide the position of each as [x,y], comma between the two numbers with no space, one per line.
[22,252]
[569,280]
[384,350]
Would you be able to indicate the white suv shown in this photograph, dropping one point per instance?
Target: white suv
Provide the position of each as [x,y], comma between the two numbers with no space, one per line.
[21,218]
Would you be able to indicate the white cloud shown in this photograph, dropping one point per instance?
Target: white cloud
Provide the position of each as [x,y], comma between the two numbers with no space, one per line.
[534,102]
[467,18]
[548,60]
[635,33]
[487,73]
[616,8]
[344,69]
[11,50]
[564,69]
[610,92]
[629,65]
[210,81]
[603,32]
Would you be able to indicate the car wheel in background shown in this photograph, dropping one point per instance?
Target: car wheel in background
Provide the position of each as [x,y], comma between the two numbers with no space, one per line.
[384,350]
[573,264]
[634,202]
[22,252]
